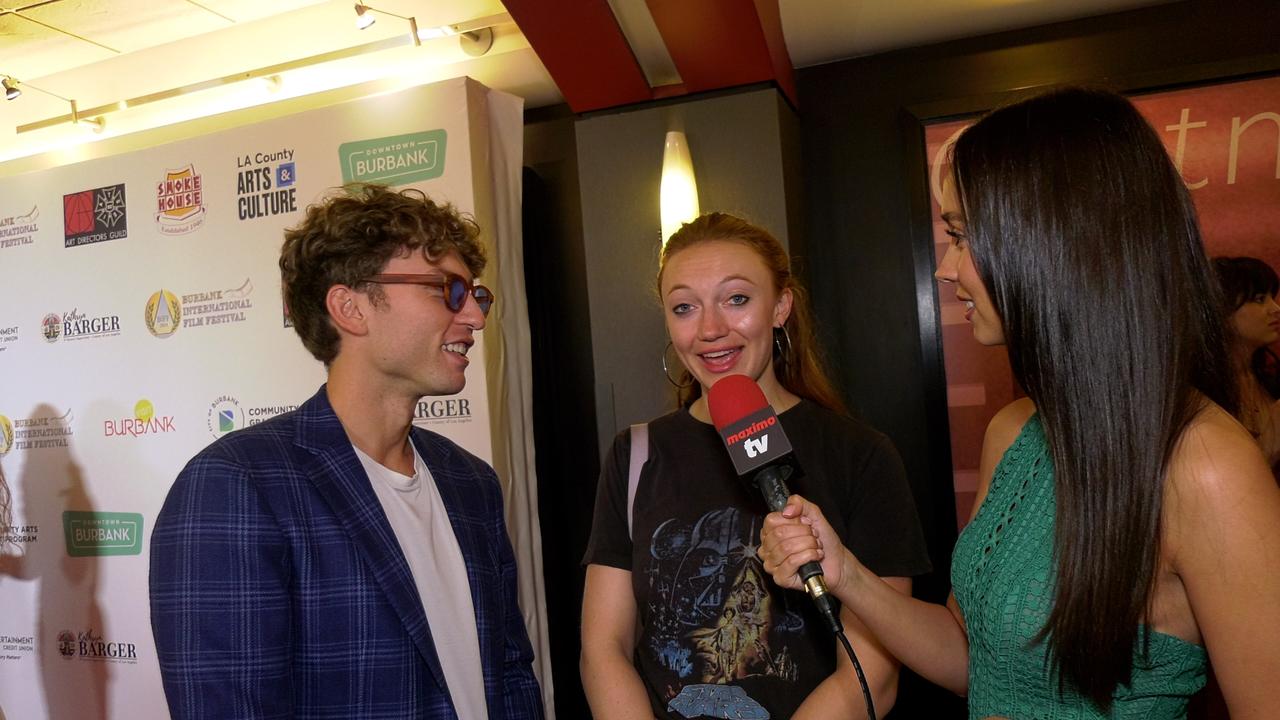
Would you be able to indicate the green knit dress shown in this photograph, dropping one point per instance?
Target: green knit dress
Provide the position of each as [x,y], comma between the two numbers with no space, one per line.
[1002,573]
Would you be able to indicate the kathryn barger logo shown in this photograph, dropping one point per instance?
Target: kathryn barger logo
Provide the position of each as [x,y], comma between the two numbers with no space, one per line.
[94,216]
[76,325]
[19,229]
[433,411]
[225,416]
[180,201]
[145,421]
[163,313]
[89,645]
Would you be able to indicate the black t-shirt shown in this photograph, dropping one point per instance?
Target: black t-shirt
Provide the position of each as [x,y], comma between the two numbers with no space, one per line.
[717,637]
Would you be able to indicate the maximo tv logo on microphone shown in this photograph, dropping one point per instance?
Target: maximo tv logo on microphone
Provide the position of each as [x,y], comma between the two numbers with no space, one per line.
[751,443]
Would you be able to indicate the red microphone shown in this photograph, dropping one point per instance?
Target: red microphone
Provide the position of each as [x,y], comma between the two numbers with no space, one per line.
[761,452]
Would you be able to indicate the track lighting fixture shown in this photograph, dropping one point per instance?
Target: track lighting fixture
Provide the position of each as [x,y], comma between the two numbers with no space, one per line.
[365,18]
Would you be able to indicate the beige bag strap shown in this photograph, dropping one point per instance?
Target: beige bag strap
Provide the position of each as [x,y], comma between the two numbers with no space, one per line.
[639,454]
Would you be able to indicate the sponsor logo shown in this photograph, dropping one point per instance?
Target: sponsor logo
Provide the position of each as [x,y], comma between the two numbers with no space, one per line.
[755,446]
[225,416]
[16,647]
[163,313]
[752,429]
[8,336]
[20,535]
[19,229]
[35,433]
[75,325]
[180,201]
[94,216]
[144,422]
[90,534]
[88,645]
[261,413]
[217,307]
[432,411]
[265,184]
[395,160]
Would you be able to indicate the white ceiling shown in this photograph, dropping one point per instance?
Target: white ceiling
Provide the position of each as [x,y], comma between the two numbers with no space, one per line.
[133,48]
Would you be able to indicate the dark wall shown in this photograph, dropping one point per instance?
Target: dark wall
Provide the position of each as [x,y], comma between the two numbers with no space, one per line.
[867,228]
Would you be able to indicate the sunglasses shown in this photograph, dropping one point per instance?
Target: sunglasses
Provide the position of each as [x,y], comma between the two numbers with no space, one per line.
[455,288]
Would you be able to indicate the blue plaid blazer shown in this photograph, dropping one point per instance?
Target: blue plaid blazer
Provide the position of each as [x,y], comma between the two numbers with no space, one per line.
[278,589]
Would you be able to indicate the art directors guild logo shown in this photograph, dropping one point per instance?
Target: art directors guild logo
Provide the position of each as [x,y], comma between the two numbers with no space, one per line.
[75,325]
[394,160]
[19,229]
[144,422]
[265,184]
[88,645]
[94,216]
[35,433]
[91,534]
[180,201]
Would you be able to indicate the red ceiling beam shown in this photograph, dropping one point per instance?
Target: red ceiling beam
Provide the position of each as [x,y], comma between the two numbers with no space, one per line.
[583,48]
[723,43]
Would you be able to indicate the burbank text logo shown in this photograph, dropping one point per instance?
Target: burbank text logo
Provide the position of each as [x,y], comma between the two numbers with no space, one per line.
[144,422]
[395,160]
[91,534]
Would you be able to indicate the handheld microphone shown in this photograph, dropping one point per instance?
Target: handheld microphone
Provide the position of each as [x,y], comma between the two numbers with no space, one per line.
[760,451]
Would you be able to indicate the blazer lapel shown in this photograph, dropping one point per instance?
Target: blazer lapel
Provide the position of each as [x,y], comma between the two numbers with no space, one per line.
[338,476]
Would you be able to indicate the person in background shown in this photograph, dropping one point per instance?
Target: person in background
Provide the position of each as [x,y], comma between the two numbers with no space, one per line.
[336,561]
[678,617]
[1249,287]
[1127,529]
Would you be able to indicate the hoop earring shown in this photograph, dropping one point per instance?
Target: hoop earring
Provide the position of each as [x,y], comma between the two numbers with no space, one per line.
[667,372]
[780,335]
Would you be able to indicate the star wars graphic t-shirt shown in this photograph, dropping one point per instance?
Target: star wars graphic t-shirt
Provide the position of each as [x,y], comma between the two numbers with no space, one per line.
[718,639]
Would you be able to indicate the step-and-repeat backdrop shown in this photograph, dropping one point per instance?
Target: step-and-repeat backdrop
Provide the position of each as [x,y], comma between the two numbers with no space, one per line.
[141,320]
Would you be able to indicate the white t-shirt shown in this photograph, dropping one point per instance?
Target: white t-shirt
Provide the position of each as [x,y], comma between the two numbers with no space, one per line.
[421,524]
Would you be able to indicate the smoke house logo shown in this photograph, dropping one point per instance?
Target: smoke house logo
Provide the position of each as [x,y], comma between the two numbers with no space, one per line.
[6,436]
[225,416]
[8,336]
[395,160]
[93,216]
[15,647]
[265,184]
[88,645]
[144,422]
[163,313]
[91,534]
[217,307]
[442,410]
[19,229]
[180,201]
[40,432]
[75,325]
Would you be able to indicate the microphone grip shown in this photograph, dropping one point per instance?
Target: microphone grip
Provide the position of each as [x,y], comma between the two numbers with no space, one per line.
[772,484]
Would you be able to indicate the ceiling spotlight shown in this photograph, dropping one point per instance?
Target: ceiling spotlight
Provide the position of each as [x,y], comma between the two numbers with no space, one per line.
[364,18]
[11,90]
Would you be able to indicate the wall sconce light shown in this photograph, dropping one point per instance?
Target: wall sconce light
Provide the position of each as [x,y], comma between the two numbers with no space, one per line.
[678,192]
[365,18]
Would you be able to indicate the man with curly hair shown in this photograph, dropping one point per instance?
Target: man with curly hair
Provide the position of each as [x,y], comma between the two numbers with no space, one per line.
[336,561]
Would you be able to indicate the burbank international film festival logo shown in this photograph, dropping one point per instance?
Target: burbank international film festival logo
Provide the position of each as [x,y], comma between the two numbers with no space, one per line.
[75,325]
[265,184]
[163,313]
[93,534]
[180,201]
[39,432]
[94,216]
[89,645]
[394,160]
[145,421]
[19,229]
[217,307]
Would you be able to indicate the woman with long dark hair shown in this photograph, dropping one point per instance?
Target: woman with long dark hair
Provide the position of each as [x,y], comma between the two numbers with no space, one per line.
[678,618]
[1126,530]
[1249,287]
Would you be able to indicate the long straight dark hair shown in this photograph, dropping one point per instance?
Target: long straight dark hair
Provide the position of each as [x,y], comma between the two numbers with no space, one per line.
[1242,279]
[1086,238]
